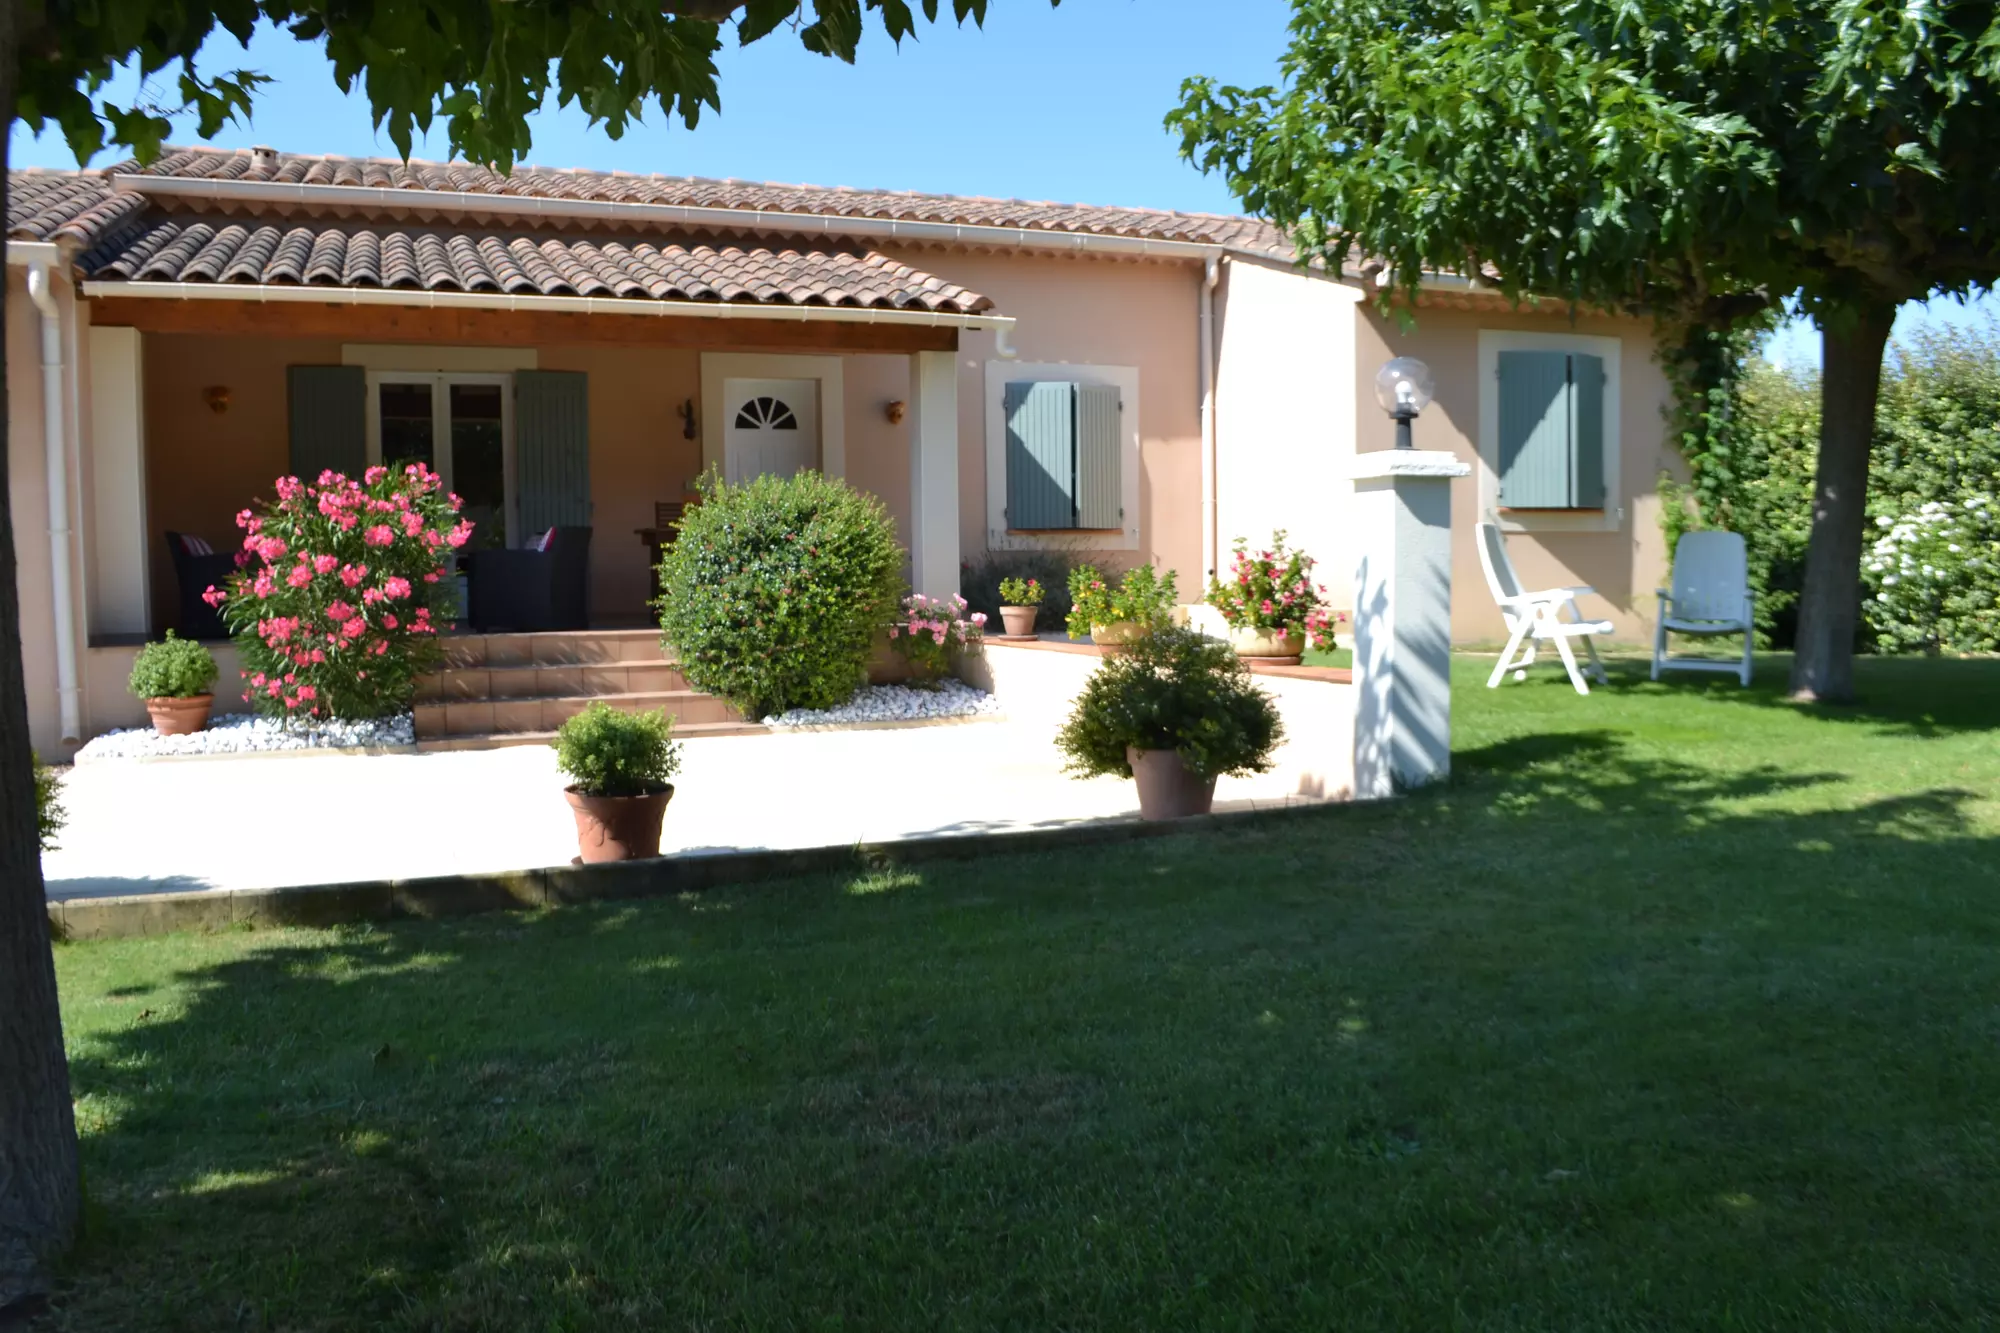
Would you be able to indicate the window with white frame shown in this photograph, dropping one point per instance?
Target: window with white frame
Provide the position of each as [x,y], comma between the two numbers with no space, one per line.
[1062,455]
[1549,429]
[458,424]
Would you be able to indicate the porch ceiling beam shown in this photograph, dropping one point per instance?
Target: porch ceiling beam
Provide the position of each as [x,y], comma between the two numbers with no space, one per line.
[479,325]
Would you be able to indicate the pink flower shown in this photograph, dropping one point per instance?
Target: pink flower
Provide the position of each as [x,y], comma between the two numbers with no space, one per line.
[300,576]
[289,488]
[257,678]
[979,617]
[352,575]
[413,522]
[396,586]
[462,533]
[307,692]
[263,586]
[388,622]
[379,535]
[345,522]
[324,564]
[431,577]
[374,474]
[214,596]
[317,655]
[381,647]
[339,611]
[893,630]
[372,596]
[354,628]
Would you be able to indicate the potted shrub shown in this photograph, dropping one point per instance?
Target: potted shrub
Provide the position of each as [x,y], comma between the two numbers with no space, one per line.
[932,634]
[1270,603]
[1113,616]
[1174,712]
[618,764]
[175,677]
[1020,603]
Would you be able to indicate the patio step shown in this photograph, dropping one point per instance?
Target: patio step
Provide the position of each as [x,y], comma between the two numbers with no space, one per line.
[556,648]
[495,687]
[503,739]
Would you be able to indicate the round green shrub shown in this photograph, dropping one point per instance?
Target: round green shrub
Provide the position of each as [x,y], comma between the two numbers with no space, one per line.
[172,669]
[1174,689]
[775,591]
[611,753]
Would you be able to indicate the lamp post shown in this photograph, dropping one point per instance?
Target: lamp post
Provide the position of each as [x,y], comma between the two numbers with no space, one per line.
[1404,387]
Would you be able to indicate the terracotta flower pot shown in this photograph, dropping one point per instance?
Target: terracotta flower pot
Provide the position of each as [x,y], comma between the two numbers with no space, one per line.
[1019,620]
[1249,641]
[1167,790]
[182,716]
[1117,634]
[618,828]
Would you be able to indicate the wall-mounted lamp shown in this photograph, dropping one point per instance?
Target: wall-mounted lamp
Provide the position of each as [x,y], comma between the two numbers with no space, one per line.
[217,398]
[894,411]
[687,419]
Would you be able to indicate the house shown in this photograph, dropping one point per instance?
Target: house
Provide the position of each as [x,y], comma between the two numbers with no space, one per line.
[571,348]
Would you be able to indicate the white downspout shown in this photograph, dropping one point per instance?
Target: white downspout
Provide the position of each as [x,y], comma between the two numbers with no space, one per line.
[1210,545]
[68,692]
[1003,347]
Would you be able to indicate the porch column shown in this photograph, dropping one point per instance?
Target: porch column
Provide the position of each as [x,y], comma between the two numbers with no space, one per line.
[120,601]
[934,473]
[1402,618]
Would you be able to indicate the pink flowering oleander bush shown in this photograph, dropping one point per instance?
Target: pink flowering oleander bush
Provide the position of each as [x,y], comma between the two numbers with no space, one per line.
[1273,590]
[933,632]
[339,592]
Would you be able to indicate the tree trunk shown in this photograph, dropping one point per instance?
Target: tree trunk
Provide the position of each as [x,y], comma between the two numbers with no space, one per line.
[1829,604]
[40,1187]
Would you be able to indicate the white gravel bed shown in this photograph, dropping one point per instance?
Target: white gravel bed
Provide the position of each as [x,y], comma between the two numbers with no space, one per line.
[894,703]
[246,733]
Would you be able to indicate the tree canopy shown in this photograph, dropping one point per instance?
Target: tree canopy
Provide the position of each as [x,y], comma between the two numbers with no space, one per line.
[1698,160]
[482,68]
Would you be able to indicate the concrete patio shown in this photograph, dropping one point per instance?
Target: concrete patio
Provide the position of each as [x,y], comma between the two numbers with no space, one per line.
[281,820]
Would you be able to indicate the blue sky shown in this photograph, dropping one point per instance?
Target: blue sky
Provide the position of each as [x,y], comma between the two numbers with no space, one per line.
[1045,103]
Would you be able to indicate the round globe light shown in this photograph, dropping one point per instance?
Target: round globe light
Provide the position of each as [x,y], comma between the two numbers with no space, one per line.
[1404,386]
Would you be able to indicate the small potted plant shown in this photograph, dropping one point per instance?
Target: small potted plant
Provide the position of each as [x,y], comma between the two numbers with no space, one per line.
[1174,712]
[932,634]
[1142,601]
[1020,603]
[1270,603]
[175,678]
[618,764]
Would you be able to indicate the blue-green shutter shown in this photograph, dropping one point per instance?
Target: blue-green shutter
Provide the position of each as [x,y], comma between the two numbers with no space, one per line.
[1586,396]
[1041,455]
[1099,494]
[552,446]
[329,420]
[1534,430]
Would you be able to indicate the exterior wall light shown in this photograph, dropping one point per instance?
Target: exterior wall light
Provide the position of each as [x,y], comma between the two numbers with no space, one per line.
[1404,387]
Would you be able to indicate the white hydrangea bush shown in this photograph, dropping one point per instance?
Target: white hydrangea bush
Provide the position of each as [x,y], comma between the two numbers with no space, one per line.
[1933,578]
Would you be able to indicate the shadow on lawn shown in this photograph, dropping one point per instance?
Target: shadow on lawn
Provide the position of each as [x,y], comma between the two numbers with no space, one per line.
[689,1112]
[1922,696]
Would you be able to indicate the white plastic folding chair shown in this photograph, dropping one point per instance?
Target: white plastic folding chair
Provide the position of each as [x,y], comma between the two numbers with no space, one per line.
[1536,617]
[1711,595]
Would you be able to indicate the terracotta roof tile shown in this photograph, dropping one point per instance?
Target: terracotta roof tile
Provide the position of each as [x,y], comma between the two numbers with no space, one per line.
[1241,233]
[223,250]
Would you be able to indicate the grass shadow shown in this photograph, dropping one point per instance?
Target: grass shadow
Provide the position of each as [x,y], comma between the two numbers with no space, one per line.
[1589,1036]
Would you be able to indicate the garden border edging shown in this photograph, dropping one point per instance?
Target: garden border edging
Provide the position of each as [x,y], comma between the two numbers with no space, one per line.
[431,898]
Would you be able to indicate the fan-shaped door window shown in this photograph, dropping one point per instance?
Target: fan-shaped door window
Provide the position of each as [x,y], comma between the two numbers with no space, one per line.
[766,413]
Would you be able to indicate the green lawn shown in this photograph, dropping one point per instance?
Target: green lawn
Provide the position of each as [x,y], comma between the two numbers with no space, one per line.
[1678,1008]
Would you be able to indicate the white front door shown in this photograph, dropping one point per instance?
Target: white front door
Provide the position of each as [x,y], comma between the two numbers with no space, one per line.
[769,426]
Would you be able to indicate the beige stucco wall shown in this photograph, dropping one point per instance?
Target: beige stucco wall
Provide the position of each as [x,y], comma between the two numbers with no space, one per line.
[1284,416]
[1624,565]
[1094,312]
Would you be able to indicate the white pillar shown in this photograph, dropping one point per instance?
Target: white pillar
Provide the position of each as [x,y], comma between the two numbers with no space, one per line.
[934,473]
[119,596]
[1402,618]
